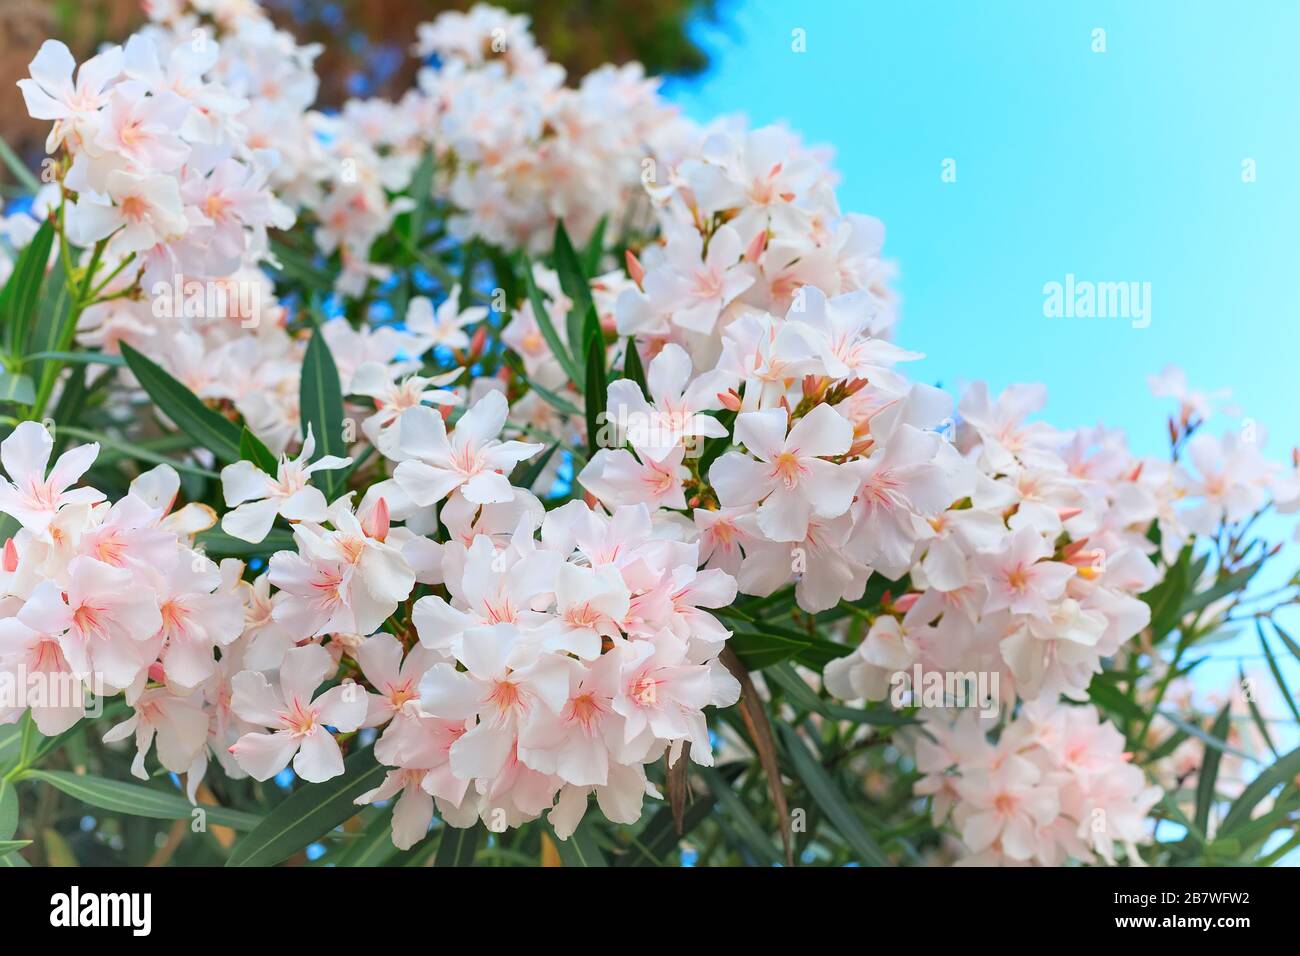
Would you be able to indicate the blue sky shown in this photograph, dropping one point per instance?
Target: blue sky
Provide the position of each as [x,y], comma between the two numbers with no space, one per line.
[1117,166]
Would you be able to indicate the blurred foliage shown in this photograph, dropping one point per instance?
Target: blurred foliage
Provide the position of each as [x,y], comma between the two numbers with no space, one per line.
[367,42]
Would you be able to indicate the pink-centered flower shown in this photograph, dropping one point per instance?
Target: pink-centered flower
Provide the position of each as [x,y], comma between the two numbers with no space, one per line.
[299,721]
[32,497]
[472,459]
[791,476]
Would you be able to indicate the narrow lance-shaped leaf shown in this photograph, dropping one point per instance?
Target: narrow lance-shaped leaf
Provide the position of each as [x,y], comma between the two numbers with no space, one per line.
[321,406]
[211,430]
[596,394]
[832,802]
[547,328]
[252,448]
[22,291]
[457,846]
[574,283]
[1209,772]
[309,813]
[633,370]
[138,800]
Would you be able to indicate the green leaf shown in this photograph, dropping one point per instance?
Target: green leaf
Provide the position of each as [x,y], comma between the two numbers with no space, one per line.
[22,291]
[216,543]
[529,472]
[8,809]
[596,393]
[53,328]
[421,190]
[1226,585]
[79,358]
[309,813]
[374,846]
[749,830]
[757,651]
[457,846]
[252,448]
[657,840]
[574,283]
[633,370]
[591,255]
[1277,672]
[1167,597]
[137,800]
[1285,769]
[12,860]
[832,802]
[17,389]
[1213,742]
[1209,772]
[214,432]
[1287,639]
[321,404]
[130,450]
[1260,723]
[580,849]
[713,447]
[18,168]
[554,399]
[547,327]
[8,846]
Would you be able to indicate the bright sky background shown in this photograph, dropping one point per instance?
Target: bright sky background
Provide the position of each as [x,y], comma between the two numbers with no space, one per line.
[1117,166]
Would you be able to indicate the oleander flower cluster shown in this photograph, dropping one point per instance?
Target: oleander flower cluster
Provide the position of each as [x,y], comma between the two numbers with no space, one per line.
[1056,785]
[629,427]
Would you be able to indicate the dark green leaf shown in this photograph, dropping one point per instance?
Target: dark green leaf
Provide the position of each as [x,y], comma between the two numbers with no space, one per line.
[1277,672]
[529,472]
[757,651]
[214,432]
[457,846]
[373,846]
[321,403]
[750,831]
[1209,772]
[53,330]
[633,370]
[548,328]
[216,543]
[832,802]
[137,800]
[309,813]
[713,447]
[252,448]
[1284,770]
[574,283]
[595,395]
[580,849]
[1229,584]
[1255,715]
[595,249]
[657,840]
[23,290]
